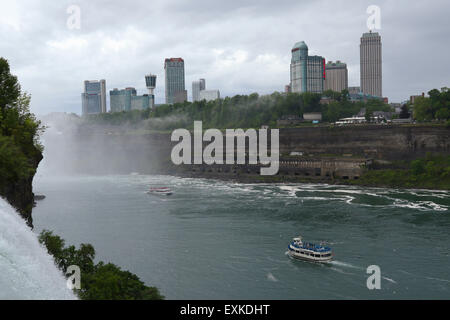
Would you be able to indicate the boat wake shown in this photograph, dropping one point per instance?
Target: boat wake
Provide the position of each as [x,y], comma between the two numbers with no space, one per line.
[344,264]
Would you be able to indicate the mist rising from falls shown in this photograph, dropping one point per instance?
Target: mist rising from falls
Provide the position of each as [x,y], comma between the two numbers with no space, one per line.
[27,271]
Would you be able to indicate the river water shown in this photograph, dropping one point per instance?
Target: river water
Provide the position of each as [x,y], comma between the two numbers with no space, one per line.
[223,240]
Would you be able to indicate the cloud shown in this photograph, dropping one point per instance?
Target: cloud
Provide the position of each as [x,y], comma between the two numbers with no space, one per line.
[239,47]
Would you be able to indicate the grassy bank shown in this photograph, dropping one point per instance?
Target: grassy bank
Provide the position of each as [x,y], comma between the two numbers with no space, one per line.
[432,172]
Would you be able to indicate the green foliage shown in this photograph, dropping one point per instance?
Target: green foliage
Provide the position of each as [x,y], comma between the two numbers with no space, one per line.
[9,85]
[19,131]
[431,172]
[14,165]
[417,167]
[240,111]
[101,281]
[436,107]
[404,113]
[109,282]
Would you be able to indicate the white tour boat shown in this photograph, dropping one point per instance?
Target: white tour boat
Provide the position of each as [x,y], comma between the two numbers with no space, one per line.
[309,251]
[164,191]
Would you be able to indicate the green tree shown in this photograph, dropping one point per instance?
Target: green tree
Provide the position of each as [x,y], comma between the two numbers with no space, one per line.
[20,150]
[443,114]
[9,86]
[101,281]
[404,113]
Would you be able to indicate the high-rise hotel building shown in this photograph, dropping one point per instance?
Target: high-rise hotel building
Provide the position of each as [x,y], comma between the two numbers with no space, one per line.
[174,74]
[93,99]
[307,72]
[371,64]
[127,99]
[336,76]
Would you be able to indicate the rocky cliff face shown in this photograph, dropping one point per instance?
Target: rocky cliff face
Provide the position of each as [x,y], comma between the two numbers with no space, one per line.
[150,153]
[377,141]
[19,193]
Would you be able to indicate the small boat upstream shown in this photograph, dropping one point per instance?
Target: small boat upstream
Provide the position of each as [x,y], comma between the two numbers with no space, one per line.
[163,191]
[309,251]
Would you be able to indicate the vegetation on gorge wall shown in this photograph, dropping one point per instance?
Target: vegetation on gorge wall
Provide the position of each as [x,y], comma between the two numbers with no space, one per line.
[431,172]
[20,151]
[98,281]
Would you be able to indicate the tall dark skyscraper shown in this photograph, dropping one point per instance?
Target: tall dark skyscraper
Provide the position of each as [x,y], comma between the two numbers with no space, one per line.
[174,74]
[371,64]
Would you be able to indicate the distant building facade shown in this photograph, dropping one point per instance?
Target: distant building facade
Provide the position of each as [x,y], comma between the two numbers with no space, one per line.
[336,76]
[174,78]
[312,116]
[307,72]
[126,100]
[180,96]
[197,86]
[140,102]
[371,64]
[93,99]
[354,90]
[209,95]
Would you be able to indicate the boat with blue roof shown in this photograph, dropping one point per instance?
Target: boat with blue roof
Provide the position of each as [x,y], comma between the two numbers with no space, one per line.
[309,251]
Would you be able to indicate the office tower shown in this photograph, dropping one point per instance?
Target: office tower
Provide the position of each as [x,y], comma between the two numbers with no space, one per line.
[336,75]
[174,74]
[371,64]
[209,95]
[126,100]
[180,96]
[307,72]
[150,82]
[93,99]
[120,100]
[197,86]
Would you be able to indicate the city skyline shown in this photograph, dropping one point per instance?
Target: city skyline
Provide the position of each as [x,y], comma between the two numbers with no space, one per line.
[224,46]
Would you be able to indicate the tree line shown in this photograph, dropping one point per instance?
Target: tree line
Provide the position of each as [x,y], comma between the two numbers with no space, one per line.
[242,111]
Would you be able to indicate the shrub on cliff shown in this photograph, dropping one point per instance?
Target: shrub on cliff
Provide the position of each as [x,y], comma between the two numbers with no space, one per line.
[14,165]
[436,107]
[98,281]
[20,151]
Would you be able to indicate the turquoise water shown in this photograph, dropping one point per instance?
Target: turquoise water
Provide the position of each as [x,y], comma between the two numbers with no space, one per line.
[223,240]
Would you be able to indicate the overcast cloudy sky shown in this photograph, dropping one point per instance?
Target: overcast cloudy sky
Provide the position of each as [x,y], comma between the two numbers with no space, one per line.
[239,47]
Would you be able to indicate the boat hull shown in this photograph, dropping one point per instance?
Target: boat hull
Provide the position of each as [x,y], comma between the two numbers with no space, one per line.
[313,254]
[160,193]
[310,259]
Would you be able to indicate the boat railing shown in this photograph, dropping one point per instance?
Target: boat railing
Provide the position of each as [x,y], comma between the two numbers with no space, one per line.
[311,246]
